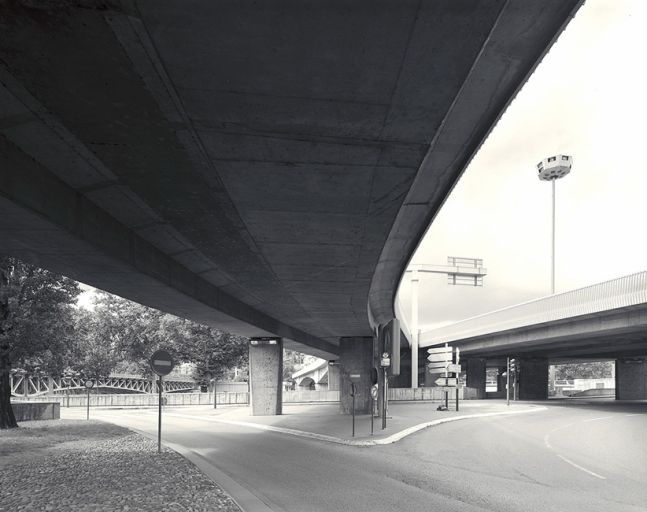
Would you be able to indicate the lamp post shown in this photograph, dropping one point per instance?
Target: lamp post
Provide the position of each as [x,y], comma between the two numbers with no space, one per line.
[551,169]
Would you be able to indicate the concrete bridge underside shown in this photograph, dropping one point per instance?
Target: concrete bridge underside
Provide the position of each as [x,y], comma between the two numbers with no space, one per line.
[269,167]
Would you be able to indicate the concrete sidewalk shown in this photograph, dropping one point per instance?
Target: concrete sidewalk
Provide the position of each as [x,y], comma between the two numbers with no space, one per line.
[323,421]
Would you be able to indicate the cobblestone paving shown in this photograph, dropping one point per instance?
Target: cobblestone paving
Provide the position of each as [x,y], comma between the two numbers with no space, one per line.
[98,467]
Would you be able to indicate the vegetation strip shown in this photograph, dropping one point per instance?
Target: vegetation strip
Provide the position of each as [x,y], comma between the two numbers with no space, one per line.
[90,466]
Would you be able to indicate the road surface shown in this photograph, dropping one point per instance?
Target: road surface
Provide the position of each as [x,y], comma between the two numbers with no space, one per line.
[567,458]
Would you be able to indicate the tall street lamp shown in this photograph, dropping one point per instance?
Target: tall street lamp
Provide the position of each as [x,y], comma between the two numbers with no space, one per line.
[551,169]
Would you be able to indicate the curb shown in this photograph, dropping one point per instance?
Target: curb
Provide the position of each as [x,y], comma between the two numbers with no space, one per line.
[246,500]
[393,438]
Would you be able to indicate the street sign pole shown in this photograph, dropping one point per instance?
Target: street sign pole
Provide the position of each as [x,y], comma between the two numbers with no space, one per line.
[507,383]
[385,398]
[89,384]
[352,388]
[159,416]
[215,394]
[446,381]
[514,387]
[385,362]
[457,372]
[162,364]
[373,404]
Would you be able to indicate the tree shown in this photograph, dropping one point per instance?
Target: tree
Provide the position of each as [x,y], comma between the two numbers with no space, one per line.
[96,353]
[591,370]
[211,350]
[132,332]
[36,324]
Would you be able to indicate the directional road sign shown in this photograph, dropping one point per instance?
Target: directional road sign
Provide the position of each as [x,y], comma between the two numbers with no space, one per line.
[432,371]
[161,362]
[444,357]
[450,367]
[439,364]
[439,350]
[451,381]
[454,368]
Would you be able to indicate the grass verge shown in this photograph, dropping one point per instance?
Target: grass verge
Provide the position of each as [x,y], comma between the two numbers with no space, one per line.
[93,466]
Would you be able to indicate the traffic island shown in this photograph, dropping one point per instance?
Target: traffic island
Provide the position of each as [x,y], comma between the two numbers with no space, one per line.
[90,466]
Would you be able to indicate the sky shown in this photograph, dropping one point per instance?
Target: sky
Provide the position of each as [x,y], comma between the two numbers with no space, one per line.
[586,99]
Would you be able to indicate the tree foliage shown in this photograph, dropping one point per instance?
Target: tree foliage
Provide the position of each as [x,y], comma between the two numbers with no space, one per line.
[122,333]
[211,350]
[586,370]
[96,353]
[41,329]
[36,324]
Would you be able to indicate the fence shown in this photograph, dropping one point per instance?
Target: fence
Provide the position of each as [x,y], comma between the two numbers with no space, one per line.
[142,400]
[411,394]
[298,396]
[225,398]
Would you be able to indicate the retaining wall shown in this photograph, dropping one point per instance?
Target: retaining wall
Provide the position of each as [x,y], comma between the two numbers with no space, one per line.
[30,411]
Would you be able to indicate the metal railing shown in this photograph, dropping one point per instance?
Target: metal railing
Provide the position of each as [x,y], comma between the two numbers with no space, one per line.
[617,293]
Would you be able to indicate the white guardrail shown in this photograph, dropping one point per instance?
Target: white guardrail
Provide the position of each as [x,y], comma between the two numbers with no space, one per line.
[617,293]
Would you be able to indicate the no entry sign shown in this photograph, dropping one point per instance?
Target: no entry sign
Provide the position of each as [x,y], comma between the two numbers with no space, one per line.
[161,362]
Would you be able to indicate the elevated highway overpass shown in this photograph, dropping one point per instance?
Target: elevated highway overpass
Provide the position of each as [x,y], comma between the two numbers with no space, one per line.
[603,321]
[266,168]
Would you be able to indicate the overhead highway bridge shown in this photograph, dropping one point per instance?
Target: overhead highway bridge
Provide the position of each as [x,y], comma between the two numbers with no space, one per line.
[603,321]
[268,168]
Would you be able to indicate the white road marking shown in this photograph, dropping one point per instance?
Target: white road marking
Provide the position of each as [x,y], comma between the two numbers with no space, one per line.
[598,419]
[628,415]
[568,461]
[581,468]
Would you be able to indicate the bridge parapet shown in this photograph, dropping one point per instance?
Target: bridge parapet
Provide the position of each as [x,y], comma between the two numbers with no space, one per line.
[29,385]
[618,293]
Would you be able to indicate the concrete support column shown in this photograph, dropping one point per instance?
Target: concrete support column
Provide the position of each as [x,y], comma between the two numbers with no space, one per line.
[631,379]
[533,379]
[355,357]
[475,368]
[266,378]
[333,377]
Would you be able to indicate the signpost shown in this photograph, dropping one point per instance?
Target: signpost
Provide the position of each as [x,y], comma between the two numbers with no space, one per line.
[162,364]
[385,362]
[374,392]
[354,377]
[89,384]
[445,361]
[507,382]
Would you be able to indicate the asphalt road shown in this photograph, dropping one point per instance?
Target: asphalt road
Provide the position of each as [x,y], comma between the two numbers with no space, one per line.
[568,458]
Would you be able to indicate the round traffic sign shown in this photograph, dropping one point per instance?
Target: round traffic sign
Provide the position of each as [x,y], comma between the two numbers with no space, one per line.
[161,362]
[374,391]
[89,383]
